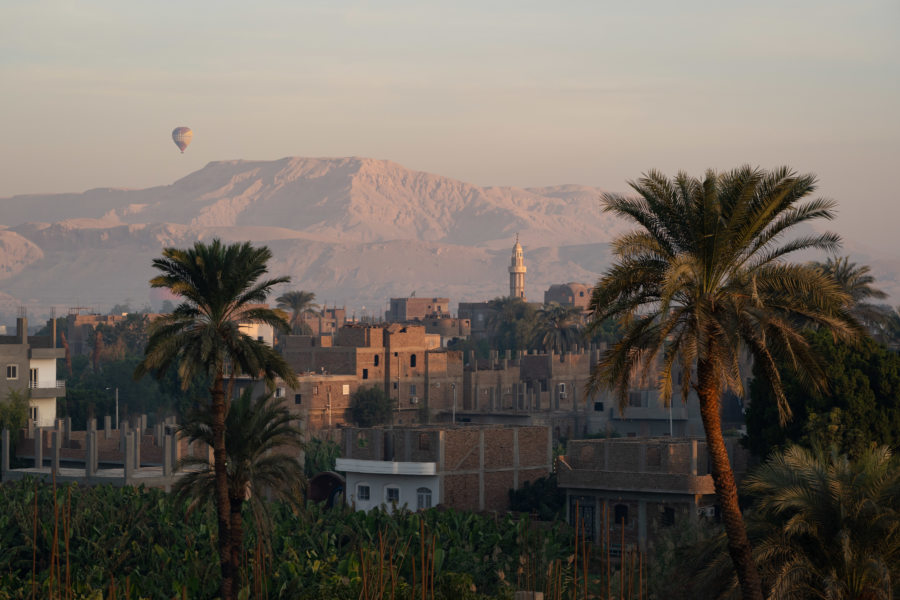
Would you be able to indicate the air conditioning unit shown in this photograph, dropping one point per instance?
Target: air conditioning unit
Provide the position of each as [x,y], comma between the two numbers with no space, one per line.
[706,511]
[562,395]
[414,400]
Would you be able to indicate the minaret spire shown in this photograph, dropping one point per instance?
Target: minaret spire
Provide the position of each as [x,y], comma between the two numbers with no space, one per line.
[517,271]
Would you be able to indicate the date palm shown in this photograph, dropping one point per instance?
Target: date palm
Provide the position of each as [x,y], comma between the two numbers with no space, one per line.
[829,526]
[300,303]
[221,286]
[858,281]
[262,444]
[704,278]
[559,328]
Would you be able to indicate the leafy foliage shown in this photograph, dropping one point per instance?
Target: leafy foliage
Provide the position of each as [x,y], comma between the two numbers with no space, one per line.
[300,303]
[859,408]
[541,497]
[370,406]
[320,455]
[14,410]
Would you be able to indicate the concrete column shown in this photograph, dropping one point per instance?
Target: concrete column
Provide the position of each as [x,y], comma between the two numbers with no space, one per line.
[176,449]
[4,467]
[642,524]
[515,458]
[90,454]
[136,440]
[129,456]
[31,427]
[167,456]
[56,443]
[68,426]
[481,469]
[124,430]
[143,424]
[38,448]
[107,427]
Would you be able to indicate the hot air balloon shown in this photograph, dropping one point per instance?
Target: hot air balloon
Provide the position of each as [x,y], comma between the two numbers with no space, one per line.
[182,137]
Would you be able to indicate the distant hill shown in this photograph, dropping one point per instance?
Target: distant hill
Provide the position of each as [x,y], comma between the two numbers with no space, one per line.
[354,230]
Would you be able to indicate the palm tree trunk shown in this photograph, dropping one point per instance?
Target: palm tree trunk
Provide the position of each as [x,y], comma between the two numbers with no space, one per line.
[708,389]
[237,537]
[223,506]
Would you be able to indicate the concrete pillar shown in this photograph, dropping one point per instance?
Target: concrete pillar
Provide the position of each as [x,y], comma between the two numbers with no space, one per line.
[107,427]
[136,440]
[642,524]
[56,445]
[31,427]
[143,424]
[38,448]
[4,467]
[515,458]
[129,457]
[68,426]
[90,454]
[124,430]
[176,450]
[167,456]
[481,469]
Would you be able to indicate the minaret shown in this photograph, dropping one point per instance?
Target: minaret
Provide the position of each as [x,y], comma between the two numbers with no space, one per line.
[517,272]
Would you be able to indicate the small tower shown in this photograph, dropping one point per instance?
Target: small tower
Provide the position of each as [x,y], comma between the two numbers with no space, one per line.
[517,272]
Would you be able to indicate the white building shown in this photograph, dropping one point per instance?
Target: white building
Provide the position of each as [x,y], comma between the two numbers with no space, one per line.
[29,365]
[374,483]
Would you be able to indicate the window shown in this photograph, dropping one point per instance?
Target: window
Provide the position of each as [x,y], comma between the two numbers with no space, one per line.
[621,514]
[12,371]
[562,388]
[395,385]
[260,338]
[598,406]
[298,399]
[668,516]
[412,360]
[345,389]
[424,441]
[392,495]
[423,498]
[315,390]
[362,492]
[32,377]
[279,392]
[636,399]
[581,294]
[412,389]
[365,373]
[376,360]
[34,414]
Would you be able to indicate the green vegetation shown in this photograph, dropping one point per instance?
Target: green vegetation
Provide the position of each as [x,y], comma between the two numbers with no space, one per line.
[141,539]
[221,288]
[859,408]
[14,411]
[702,278]
[542,498]
[370,406]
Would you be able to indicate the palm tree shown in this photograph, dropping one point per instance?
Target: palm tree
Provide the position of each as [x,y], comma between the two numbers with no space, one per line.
[257,435]
[829,526]
[300,303]
[858,282]
[221,288]
[512,325]
[559,327]
[702,279]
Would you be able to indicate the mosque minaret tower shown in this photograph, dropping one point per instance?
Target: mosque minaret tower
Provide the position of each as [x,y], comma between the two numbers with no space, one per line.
[517,272]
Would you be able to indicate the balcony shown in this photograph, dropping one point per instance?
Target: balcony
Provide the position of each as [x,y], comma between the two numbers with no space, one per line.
[47,389]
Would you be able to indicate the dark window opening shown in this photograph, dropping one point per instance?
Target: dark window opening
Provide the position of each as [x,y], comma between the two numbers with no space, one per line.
[621,514]
[424,441]
[376,360]
[365,373]
[668,516]
[412,360]
[298,399]
[598,406]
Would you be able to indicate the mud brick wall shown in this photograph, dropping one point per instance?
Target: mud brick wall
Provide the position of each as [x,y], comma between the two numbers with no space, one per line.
[533,447]
[499,448]
[461,491]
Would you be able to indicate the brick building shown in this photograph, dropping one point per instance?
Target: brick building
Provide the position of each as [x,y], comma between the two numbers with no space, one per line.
[573,294]
[468,468]
[641,485]
[416,309]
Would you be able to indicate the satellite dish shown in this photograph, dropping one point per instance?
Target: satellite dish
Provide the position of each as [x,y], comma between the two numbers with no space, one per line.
[182,137]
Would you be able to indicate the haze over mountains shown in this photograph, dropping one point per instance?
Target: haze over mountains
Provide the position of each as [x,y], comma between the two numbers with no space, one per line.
[356,231]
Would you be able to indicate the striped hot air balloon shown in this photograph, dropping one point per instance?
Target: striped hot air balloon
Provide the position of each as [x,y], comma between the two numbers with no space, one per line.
[182,137]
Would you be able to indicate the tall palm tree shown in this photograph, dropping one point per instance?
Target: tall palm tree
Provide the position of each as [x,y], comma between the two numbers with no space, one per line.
[512,324]
[703,278]
[300,303]
[858,281]
[221,287]
[829,527]
[258,436]
[558,328]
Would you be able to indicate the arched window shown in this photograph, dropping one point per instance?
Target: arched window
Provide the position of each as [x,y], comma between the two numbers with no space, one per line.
[423,496]
[412,360]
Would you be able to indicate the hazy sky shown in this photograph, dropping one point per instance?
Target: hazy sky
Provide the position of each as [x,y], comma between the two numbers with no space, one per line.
[501,93]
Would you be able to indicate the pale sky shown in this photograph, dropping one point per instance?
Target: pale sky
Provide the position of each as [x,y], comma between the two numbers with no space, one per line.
[496,93]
